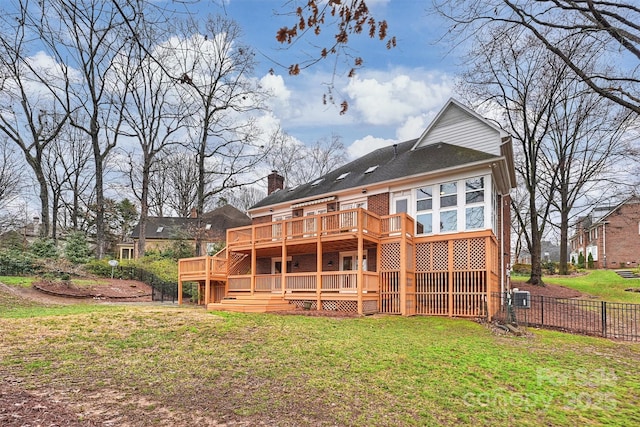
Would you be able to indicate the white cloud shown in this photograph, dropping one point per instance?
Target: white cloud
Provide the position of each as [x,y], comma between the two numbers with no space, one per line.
[276,87]
[390,98]
[366,145]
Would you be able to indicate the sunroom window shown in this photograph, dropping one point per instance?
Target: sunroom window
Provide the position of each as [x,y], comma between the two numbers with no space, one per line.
[424,206]
[474,199]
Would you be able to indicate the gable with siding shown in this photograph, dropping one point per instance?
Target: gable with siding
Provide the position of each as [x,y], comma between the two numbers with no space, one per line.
[458,125]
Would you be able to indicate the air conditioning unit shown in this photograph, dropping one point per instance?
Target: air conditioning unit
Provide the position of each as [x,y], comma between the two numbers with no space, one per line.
[521,299]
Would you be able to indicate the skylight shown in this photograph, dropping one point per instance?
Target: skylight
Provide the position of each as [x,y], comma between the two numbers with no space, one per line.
[343,176]
[371,169]
[207,227]
[316,182]
[159,230]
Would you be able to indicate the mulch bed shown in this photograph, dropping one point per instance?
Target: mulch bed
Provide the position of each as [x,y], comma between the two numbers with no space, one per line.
[110,289]
[554,291]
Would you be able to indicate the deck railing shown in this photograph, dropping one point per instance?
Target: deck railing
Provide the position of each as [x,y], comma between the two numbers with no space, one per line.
[326,224]
[336,281]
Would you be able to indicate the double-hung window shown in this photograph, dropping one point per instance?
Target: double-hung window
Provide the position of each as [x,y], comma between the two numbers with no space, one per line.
[474,201]
[424,210]
[448,207]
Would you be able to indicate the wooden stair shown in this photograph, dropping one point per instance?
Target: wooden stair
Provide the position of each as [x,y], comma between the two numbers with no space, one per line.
[257,303]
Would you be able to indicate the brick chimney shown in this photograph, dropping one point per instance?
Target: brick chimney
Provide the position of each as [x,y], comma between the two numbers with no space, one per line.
[194,213]
[274,182]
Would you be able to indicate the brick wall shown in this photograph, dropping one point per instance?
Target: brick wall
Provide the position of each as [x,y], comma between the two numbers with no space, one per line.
[622,236]
[378,204]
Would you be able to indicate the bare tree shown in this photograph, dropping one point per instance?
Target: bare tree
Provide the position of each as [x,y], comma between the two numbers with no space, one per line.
[215,69]
[174,184]
[10,173]
[87,35]
[34,106]
[610,26]
[588,149]
[523,82]
[299,163]
[243,198]
[152,114]
[568,138]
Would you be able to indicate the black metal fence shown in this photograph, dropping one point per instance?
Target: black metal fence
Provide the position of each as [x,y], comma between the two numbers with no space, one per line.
[162,290]
[606,319]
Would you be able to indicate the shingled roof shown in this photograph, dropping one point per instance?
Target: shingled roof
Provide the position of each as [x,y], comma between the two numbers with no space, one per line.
[220,220]
[384,164]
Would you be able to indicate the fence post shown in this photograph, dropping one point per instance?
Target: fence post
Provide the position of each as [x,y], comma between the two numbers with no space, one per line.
[604,318]
[542,310]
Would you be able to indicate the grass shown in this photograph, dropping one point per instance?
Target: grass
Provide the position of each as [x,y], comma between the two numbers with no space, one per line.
[24,282]
[601,284]
[296,370]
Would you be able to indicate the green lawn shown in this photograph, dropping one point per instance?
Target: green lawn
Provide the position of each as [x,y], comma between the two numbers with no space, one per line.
[602,284]
[17,280]
[168,365]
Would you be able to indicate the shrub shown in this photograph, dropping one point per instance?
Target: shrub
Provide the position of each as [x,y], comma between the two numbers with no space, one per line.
[99,267]
[550,267]
[77,249]
[590,263]
[573,260]
[580,260]
[14,262]
[44,248]
[522,269]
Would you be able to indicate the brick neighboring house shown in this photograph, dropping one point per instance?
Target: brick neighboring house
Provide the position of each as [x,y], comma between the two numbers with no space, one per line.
[420,227]
[611,234]
[161,232]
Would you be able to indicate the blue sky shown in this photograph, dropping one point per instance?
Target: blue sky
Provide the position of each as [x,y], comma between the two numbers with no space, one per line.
[392,98]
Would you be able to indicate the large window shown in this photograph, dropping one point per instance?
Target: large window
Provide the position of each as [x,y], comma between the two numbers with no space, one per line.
[448,194]
[424,206]
[474,199]
[454,206]
[448,199]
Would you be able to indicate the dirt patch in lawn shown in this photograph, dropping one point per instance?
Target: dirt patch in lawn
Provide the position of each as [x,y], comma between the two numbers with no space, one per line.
[102,289]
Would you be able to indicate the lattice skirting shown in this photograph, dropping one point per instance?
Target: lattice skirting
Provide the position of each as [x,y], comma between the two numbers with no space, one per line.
[332,305]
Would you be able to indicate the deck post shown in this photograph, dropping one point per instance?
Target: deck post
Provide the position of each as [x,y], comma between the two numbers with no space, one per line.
[450,275]
[254,261]
[283,269]
[179,290]
[360,280]
[318,271]
[207,280]
[403,266]
[487,274]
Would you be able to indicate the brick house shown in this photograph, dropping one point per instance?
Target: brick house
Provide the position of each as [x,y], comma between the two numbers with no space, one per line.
[611,234]
[208,231]
[420,227]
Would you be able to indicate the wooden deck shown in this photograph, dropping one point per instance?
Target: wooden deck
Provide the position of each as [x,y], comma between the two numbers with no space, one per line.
[447,275]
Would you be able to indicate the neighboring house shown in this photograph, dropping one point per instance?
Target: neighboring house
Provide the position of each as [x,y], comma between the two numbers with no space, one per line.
[210,230]
[611,234]
[420,227]
[549,251]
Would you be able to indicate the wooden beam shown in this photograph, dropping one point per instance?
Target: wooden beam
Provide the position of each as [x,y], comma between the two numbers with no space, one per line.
[450,275]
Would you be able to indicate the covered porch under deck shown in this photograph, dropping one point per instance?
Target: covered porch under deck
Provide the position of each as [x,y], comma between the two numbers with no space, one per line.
[352,261]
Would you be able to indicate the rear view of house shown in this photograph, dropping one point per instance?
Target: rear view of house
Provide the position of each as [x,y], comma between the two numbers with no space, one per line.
[420,227]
